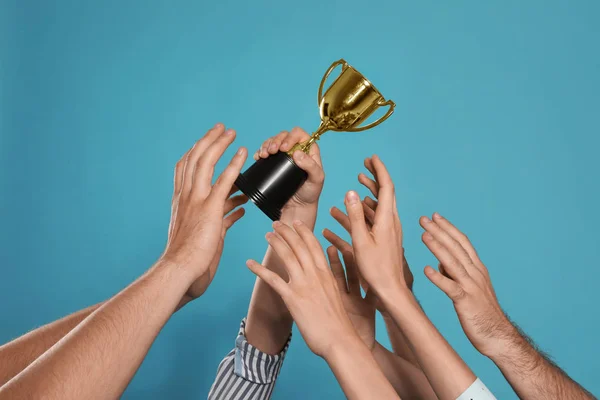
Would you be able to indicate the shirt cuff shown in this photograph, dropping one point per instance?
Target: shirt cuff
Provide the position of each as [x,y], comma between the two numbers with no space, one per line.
[477,391]
[254,365]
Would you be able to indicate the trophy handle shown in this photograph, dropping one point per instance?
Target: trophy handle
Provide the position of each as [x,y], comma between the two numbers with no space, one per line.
[389,112]
[344,65]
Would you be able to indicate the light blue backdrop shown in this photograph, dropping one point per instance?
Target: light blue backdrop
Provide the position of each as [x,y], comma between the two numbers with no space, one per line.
[496,128]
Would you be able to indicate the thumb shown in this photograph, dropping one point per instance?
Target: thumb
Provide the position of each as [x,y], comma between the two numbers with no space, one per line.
[308,164]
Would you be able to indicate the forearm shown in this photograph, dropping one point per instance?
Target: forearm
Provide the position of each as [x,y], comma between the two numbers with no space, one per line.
[357,372]
[269,322]
[446,371]
[408,381]
[99,357]
[398,341]
[531,375]
[15,356]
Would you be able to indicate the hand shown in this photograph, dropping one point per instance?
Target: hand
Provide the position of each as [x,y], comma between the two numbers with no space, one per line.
[311,296]
[361,311]
[309,192]
[377,235]
[198,211]
[465,279]
[369,207]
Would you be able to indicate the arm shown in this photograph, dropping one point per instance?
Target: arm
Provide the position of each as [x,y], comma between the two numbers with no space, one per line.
[251,369]
[407,379]
[15,356]
[269,322]
[465,279]
[98,358]
[313,298]
[379,255]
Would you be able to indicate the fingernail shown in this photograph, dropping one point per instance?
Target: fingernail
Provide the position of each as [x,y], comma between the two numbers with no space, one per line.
[427,236]
[426,220]
[269,235]
[272,147]
[437,215]
[276,224]
[218,125]
[284,144]
[240,151]
[229,132]
[352,197]
[297,223]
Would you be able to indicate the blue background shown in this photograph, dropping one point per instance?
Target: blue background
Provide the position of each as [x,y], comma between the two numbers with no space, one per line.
[496,128]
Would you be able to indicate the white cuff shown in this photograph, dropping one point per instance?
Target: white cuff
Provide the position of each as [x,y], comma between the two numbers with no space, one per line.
[477,391]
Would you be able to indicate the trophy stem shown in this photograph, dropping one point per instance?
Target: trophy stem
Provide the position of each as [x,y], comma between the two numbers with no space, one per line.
[305,146]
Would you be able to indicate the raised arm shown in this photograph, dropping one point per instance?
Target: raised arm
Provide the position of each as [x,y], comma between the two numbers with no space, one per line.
[379,255]
[99,357]
[466,281]
[16,355]
[314,301]
[251,369]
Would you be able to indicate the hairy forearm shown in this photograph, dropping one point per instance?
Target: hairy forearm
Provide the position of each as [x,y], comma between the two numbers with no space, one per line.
[15,356]
[269,322]
[530,373]
[357,372]
[99,357]
[408,381]
[435,356]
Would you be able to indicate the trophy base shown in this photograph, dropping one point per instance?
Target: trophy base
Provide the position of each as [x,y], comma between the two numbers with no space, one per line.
[271,182]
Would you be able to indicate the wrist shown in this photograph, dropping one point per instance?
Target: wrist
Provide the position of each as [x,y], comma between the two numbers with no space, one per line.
[342,347]
[306,213]
[172,275]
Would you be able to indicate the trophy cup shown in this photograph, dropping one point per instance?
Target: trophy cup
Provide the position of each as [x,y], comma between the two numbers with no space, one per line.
[349,101]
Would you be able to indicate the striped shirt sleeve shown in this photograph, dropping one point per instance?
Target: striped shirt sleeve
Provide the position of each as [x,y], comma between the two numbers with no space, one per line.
[246,373]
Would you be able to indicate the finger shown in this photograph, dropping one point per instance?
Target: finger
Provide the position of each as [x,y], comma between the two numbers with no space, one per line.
[457,235]
[369,184]
[291,262]
[369,166]
[195,153]
[232,218]
[351,273]
[270,277]
[443,270]
[337,268]
[370,297]
[371,203]
[340,217]
[369,215]
[452,266]
[296,244]
[206,164]
[337,241]
[446,285]
[275,143]
[224,184]
[234,202]
[312,243]
[358,226]
[178,178]
[308,164]
[386,196]
[297,135]
[264,148]
[447,241]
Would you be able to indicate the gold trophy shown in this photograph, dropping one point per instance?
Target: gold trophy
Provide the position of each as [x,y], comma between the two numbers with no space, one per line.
[349,101]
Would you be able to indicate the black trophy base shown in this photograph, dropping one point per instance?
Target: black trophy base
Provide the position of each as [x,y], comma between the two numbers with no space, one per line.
[271,182]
